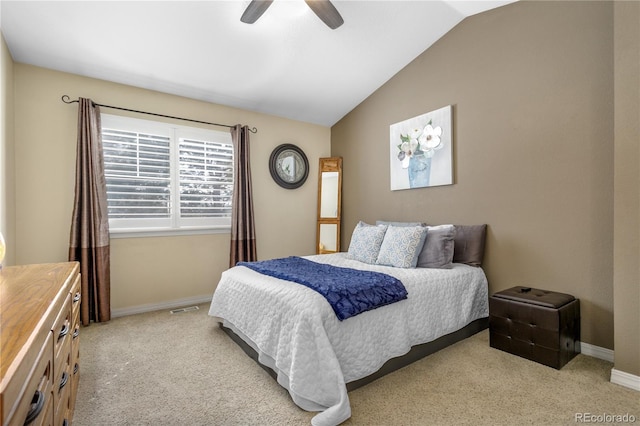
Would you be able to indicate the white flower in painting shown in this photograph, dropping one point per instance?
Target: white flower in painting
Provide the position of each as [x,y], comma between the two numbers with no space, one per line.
[419,141]
[415,133]
[407,149]
[413,145]
[430,138]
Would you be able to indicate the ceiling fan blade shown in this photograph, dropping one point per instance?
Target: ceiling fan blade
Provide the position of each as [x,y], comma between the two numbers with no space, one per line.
[327,12]
[255,10]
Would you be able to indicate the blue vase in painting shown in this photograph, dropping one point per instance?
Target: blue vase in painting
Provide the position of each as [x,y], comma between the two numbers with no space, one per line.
[419,171]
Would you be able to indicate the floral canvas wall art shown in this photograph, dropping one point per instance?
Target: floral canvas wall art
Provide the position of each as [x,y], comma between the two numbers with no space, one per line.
[421,153]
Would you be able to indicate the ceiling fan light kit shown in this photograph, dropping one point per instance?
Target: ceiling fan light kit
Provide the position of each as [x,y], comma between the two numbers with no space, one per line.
[324,9]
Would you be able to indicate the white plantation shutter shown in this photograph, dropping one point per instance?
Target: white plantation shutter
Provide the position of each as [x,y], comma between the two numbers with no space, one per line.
[138,173]
[166,177]
[206,178]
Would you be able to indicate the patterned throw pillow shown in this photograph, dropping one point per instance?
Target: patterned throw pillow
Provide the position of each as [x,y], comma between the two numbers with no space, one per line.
[365,242]
[401,246]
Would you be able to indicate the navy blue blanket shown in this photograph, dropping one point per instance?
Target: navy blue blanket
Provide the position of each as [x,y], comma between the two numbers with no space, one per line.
[348,291]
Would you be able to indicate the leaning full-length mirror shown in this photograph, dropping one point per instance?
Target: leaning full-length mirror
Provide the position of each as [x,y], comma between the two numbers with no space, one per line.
[329,205]
[329,195]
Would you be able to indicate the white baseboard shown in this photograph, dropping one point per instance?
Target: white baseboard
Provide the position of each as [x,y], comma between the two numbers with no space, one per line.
[625,379]
[150,307]
[618,377]
[596,351]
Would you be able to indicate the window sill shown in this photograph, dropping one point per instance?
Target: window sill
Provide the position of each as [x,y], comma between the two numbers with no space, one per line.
[164,232]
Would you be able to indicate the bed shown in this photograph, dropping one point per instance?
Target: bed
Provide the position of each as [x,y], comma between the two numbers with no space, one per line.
[293,331]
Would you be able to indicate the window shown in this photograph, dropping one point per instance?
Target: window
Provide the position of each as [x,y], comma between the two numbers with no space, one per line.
[166,178]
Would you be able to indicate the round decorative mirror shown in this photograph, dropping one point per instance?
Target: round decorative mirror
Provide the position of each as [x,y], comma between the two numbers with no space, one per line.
[289,166]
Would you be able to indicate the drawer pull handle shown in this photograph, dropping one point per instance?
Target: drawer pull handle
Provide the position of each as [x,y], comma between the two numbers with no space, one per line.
[65,422]
[64,380]
[75,368]
[64,331]
[37,404]
[76,333]
[76,297]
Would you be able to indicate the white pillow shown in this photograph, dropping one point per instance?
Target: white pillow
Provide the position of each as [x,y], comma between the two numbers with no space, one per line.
[401,246]
[365,242]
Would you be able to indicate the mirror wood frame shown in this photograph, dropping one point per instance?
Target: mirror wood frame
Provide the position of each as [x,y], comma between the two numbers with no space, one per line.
[329,165]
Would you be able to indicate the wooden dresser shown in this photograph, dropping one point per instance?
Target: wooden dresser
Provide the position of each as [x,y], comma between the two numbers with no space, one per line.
[39,343]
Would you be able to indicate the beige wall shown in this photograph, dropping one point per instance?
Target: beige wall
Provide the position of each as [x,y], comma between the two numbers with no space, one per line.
[149,270]
[626,248]
[7,171]
[531,85]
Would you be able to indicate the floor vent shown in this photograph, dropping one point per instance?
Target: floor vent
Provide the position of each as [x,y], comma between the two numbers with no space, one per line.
[181,310]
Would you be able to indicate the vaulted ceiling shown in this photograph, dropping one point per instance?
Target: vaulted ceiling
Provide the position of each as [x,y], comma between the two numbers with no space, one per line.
[288,63]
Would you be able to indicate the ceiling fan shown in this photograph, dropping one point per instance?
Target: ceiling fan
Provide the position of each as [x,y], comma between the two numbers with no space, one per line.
[323,8]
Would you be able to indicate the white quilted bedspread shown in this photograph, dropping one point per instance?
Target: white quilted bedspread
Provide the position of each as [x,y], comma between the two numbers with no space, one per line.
[296,333]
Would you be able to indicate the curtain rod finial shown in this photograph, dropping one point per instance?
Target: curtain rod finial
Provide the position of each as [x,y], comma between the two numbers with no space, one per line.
[67,100]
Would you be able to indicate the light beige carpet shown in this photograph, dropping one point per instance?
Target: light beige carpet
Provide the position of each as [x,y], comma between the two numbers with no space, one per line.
[181,369]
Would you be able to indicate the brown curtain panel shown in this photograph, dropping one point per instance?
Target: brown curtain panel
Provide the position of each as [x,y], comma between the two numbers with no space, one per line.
[243,233]
[89,240]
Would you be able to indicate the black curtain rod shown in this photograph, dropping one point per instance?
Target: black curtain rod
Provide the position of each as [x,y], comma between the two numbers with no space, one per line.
[68,100]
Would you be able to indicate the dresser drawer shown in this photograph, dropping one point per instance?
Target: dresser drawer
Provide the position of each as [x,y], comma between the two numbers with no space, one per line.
[74,366]
[75,297]
[47,417]
[62,393]
[75,322]
[62,334]
[34,403]
[75,379]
